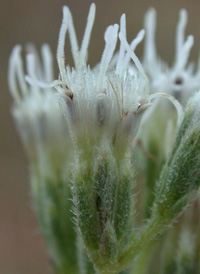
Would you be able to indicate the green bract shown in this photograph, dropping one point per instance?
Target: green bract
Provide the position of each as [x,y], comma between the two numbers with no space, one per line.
[180,177]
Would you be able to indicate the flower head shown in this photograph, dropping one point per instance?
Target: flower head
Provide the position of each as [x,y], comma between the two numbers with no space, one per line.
[44,134]
[100,102]
[180,80]
[107,102]
[36,111]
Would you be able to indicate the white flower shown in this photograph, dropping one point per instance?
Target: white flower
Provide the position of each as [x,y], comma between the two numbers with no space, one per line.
[39,119]
[44,133]
[180,80]
[101,103]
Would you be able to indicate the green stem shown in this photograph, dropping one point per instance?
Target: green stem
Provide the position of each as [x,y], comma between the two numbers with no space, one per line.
[142,262]
[81,255]
[63,269]
[84,264]
[144,238]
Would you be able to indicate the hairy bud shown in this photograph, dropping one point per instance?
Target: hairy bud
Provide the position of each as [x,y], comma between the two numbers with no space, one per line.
[180,178]
[103,202]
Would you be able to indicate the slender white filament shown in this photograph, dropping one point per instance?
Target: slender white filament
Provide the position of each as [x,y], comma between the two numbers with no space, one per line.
[111,41]
[184,53]
[73,38]
[61,44]
[16,74]
[174,102]
[87,34]
[30,64]
[38,83]
[122,49]
[47,63]
[133,46]
[150,28]
[180,33]
[134,58]
[12,75]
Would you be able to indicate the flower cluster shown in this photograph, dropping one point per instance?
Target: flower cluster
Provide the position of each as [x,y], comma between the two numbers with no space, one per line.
[124,191]
[100,101]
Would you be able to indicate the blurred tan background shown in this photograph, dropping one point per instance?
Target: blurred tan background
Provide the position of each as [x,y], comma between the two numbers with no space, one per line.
[22,250]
